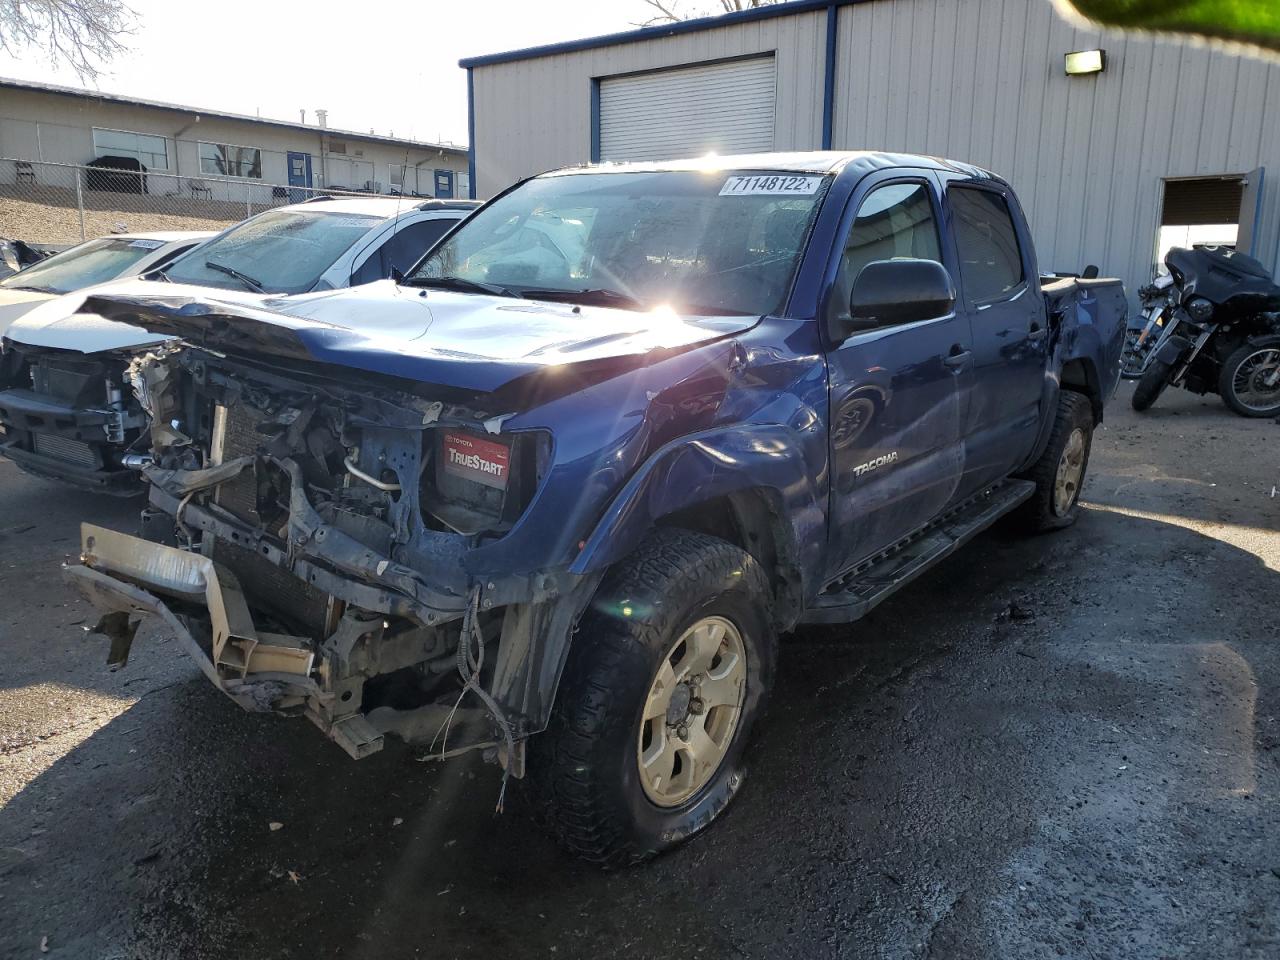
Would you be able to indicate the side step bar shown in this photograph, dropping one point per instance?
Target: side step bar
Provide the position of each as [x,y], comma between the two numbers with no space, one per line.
[858,593]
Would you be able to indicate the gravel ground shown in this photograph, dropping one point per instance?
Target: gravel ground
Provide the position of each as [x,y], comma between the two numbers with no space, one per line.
[1059,747]
[49,214]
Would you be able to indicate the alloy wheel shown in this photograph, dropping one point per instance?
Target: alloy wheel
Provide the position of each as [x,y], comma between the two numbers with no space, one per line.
[1066,483]
[692,711]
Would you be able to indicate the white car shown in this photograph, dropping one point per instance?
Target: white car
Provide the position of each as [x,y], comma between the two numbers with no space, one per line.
[88,264]
[66,410]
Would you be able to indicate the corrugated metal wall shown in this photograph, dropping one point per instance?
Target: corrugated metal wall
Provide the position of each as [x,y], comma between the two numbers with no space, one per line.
[983,81]
[977,80]
[535,115]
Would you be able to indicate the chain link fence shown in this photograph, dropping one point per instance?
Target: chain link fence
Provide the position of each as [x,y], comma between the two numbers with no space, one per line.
[58,204]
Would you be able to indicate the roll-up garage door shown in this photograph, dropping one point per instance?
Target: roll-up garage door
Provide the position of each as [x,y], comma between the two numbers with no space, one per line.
[688,111]
[1203,200]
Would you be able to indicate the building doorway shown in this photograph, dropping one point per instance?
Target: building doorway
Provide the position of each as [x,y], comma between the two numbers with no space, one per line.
[299,174]
[1209,211]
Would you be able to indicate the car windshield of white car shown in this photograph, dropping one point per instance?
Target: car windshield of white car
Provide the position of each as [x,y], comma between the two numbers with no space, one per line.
[82,266]
[281,251]
[701,243]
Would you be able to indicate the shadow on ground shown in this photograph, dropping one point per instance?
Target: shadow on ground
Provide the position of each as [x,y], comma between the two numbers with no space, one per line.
[960,778]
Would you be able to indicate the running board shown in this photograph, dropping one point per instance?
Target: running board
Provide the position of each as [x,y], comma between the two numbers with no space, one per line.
[854,596]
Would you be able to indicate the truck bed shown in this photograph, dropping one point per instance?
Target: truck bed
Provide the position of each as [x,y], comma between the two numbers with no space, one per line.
[1091,314]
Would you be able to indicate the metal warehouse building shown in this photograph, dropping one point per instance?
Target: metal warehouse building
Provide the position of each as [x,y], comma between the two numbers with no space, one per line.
[1167,143]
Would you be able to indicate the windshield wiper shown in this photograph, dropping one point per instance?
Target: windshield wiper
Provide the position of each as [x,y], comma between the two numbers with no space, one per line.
[244,278]
[463,285]
[601,296]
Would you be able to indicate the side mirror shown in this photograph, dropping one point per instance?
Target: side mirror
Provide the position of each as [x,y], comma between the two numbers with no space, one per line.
[889,292]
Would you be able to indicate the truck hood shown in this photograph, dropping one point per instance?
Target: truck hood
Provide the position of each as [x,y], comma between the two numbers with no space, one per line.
[472,342]
[59,321]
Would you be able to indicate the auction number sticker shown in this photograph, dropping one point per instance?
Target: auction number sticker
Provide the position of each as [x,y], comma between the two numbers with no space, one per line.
[770,184]
[147,244]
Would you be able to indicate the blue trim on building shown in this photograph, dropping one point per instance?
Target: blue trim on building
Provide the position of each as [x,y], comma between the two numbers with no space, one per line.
[1255,242]
[829,75]
[471,134]
[665,30]
[595,120]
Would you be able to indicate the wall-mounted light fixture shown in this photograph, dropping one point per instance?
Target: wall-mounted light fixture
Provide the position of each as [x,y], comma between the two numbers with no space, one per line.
[1085,62]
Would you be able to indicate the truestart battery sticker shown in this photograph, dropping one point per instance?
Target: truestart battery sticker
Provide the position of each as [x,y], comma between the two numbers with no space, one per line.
[474,458]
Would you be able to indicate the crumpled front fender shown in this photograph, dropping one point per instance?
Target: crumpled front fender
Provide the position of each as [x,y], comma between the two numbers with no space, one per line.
[766,459]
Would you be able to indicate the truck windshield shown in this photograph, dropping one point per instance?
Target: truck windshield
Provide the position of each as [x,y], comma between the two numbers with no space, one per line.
[281,251]
[84,265]
[715,242]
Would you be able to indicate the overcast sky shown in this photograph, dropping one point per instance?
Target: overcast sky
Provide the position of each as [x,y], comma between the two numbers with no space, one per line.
[392,66]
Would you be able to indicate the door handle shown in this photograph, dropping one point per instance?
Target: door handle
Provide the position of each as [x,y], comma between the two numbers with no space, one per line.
[957,358]
[1036,332]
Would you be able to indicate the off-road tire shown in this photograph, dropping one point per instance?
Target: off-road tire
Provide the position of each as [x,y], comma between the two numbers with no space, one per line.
[1039,514]
[583,770]
[1226,379]
[1151,384]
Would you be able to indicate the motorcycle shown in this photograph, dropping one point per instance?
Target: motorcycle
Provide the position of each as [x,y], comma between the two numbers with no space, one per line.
[1212,328]
[1157,299]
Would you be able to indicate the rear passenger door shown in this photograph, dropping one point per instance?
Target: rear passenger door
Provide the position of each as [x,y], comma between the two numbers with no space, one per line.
[1001,299]
[400,249]
[896,392]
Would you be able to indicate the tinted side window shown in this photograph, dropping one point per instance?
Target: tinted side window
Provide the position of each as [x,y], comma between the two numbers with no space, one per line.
[402,250]
[990,259]
[894,222]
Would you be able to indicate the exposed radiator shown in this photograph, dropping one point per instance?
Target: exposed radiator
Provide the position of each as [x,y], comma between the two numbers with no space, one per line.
[70,451]
[236,435]
[275,589]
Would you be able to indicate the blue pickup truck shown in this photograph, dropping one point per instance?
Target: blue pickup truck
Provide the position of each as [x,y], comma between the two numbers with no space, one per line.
[555,495]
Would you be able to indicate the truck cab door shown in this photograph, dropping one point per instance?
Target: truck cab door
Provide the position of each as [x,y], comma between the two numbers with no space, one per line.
[896,392]
[1002,303]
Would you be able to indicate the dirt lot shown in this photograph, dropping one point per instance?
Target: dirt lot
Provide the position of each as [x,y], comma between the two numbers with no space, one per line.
[1059,747]
[49,214]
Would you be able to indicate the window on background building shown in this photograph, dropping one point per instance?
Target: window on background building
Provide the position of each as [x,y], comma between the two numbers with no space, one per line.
[227,160]
[462,185]
[151,151]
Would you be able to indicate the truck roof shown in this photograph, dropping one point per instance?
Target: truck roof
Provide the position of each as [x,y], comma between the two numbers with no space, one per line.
[816,161]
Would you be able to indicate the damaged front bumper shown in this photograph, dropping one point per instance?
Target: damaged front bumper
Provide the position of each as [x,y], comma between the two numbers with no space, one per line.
[123,576]
[62,440]
[203,604]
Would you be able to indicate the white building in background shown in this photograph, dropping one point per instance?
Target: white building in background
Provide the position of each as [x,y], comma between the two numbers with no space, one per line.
[42,123]
[1169,138]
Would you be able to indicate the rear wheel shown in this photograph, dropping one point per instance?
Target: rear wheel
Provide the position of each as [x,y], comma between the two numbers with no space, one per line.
[667,675]
[1250,379]
[1059,473]
[1151,384]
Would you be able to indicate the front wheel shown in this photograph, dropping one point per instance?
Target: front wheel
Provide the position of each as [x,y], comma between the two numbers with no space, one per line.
[1151,384]
[668,672]
[1250,379]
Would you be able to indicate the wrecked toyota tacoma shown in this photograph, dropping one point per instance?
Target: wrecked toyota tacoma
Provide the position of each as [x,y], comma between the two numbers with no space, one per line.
[555,495]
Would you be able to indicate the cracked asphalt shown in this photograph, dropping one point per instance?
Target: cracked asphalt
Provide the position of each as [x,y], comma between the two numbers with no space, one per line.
[1065,746]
